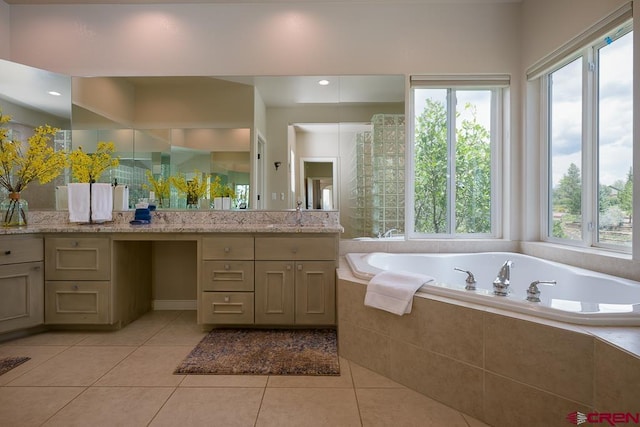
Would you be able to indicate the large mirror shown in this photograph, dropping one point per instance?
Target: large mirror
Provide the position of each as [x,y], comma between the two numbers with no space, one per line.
[278,140]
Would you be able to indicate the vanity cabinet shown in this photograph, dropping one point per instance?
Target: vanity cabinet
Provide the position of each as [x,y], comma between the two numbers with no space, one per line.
[227,280]
[21,282]
[295,279]
[78,287]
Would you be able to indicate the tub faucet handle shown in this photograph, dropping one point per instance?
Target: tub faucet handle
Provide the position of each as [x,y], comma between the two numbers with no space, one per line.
[533,293]
[470,280]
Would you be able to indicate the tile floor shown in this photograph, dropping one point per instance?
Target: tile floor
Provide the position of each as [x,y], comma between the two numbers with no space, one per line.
[124,378]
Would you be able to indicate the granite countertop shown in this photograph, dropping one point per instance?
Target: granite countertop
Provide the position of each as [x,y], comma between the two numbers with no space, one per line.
[206,221]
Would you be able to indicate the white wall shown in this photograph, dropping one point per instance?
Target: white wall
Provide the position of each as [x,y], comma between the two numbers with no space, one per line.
[5,32]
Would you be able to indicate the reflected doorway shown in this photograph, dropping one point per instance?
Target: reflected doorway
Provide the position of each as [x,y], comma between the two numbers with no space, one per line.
[318,176]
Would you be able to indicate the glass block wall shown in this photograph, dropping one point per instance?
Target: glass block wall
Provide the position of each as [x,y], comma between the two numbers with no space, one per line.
[377,187]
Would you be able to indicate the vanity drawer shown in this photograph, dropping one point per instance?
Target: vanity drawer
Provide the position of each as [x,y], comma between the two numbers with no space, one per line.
[296,248]
[227,307]
[227,247]
[82,258]
[76,302]
[15,250]
[227,275]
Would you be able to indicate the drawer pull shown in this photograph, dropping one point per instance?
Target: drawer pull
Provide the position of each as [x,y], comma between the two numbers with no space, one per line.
[7,252]
[294,250]
[227,266]
[227,250]
[227,299]
[74,244]
[36,268]
[75,287]
[288,267]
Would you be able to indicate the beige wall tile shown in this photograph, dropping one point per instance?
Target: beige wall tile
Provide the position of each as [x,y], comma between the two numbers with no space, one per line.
[365,347]
[617,379]
[351,308]
[510,403]
[366,378]
[556,360]
[453,331]
[453,383]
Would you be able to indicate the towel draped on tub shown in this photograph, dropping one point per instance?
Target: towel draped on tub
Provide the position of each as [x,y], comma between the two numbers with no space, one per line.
[393,291]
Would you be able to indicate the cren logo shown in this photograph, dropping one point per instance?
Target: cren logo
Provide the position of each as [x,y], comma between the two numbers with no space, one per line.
[577,418]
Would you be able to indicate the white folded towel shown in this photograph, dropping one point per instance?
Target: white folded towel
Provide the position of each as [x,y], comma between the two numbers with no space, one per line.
[101,202]
[78,198]
[120,198]
[393,291]
[62,198]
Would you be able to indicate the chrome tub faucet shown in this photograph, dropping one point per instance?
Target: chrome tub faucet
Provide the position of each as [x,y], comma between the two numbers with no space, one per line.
[501,283]
[533,293]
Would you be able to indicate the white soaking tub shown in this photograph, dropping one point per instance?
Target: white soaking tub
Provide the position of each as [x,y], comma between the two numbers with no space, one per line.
[579,296]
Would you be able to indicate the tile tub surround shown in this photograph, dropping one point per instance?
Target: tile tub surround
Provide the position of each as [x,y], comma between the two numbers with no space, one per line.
[500,368]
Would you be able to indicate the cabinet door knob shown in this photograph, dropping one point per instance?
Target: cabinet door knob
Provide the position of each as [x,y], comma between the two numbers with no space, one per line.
[7,252]
[227,266]
[75,287]
[299,267]
[294,250]
[288,267]
[227,299]
[227,250]
[74,244]
[36,268]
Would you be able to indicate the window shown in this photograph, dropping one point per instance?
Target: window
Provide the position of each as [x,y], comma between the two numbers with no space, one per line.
[589,123]
[455,134]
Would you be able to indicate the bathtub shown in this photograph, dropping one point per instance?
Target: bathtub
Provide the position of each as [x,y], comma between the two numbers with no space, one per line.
[579,296]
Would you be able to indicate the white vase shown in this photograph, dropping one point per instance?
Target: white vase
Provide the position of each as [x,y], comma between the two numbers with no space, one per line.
[222,203]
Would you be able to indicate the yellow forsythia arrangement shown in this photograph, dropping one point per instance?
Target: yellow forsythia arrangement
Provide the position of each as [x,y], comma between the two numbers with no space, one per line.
[160,186]
[89,167]
[18,168]
[194,189]
[219,190]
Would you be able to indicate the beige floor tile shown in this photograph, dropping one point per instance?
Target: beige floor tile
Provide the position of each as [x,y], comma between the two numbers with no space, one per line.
[473,422]
[210,407]
[404,407]
[133,334]
[38,355]
[333,381]
[182,331]
[147,366]
[366,378]
[308,407]
[225,381]
[112,406]
[52,338]
[32,406]
[76,366]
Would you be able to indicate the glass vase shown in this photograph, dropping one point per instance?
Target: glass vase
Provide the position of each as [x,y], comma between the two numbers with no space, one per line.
[14,211]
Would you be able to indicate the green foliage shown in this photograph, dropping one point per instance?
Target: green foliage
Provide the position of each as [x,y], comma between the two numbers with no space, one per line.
[568,194]
[472,178]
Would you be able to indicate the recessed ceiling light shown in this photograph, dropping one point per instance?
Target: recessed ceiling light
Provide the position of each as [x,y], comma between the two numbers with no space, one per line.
[54,93]
[323,82]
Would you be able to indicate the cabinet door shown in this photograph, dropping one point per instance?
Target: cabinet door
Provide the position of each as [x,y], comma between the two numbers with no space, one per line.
[274,292]
[315,293]
[21,296]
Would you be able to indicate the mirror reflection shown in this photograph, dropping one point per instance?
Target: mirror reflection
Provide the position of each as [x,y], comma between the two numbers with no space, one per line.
[336,147]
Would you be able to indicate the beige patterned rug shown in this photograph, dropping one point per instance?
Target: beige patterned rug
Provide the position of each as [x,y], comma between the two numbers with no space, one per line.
[264,352]
[8,363]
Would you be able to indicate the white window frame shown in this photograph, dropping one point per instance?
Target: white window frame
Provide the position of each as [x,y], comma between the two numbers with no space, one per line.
[592,40]
[498,84]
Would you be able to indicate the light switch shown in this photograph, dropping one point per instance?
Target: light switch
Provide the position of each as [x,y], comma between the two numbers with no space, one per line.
[281,196]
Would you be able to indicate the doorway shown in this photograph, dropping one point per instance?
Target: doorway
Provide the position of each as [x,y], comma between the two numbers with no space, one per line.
[318,177]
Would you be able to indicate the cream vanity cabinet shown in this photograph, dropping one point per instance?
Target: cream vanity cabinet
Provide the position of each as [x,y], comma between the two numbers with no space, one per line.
[78,280]
[227,280]
[21,282]
[295,279]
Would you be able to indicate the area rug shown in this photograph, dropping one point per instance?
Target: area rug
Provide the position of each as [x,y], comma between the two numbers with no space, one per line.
[264,352]
[8,363]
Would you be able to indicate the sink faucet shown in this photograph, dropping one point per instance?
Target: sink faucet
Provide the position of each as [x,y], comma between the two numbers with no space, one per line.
[386,234]
[501,283]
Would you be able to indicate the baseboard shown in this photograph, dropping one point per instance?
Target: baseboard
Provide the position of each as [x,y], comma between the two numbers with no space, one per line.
[168,304]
